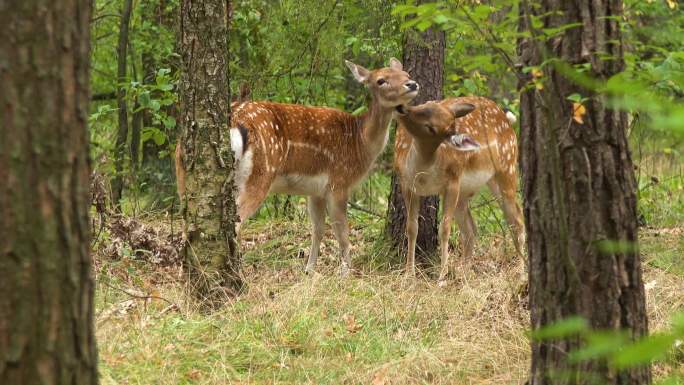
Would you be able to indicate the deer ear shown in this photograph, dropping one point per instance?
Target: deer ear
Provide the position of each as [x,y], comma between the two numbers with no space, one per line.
[396,64]
[463,142]
[360,74]
[461,109]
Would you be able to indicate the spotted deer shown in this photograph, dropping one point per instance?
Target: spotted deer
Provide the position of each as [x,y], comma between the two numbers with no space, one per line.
[454,148]
[315,151]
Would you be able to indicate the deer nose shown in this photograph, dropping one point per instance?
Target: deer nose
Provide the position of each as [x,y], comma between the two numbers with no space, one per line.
[411,85]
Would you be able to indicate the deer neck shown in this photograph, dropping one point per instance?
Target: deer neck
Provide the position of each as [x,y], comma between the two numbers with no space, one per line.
[424,152]
[376,127]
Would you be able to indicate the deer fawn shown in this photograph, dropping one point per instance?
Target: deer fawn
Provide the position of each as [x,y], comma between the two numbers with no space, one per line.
[315,151]
[453,148]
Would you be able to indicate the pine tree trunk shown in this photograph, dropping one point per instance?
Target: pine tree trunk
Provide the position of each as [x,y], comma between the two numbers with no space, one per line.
[423,59]
[208,205]
[580,194]
[46,282]
[122,132]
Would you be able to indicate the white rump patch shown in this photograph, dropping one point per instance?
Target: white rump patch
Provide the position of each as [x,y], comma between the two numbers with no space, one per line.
[244,170]
[511,117]
[236,143]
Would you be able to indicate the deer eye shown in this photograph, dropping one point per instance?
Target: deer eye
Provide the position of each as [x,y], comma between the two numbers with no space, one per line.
[381,81]
[431,129]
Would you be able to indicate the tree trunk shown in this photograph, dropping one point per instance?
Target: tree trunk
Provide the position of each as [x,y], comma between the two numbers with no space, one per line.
[579,191]
[208,203]
[46,283]
[122,133]
[423,59]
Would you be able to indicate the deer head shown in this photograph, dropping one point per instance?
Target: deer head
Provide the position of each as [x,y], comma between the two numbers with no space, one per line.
[389,86]
[435,123]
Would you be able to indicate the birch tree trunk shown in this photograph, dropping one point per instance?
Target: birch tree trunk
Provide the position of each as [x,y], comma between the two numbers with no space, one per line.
[208,203]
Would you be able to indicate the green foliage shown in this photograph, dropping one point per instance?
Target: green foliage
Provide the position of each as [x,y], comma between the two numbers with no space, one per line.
[293,51]
[481,41]
[565,328]
[616,346]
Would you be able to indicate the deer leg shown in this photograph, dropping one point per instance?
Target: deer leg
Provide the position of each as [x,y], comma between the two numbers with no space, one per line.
[412,203]
[514,217]
[449,207]
[505,188]
[466,226]
[316,207]
[338,215]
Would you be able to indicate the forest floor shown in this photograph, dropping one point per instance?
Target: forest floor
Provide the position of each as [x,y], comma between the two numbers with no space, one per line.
[377,327]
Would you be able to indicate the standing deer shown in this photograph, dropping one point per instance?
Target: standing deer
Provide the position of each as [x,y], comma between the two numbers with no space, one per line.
[454,148]
[315,151]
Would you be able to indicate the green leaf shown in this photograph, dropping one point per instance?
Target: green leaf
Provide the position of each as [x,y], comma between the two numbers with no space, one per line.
[403,10]
[169,122]
[440,19]
[565,328]
[159,137]
[155,105]
[423,25]
[360,110]
[144,99]
[575,98]
[600,344]
[611,246]
[644,351]
[166,87]
[147,134]
[672,380]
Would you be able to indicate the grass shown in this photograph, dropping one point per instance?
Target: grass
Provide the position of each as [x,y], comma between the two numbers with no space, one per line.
[376,327]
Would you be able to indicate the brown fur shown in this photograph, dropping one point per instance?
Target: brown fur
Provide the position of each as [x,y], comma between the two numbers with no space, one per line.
[316,151]
[426,161]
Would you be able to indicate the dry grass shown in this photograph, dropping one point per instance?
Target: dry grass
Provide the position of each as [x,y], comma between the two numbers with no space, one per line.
[376,328]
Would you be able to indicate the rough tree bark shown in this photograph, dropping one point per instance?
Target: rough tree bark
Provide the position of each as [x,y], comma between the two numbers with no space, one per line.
[579,191]
[46,283]
[208,203]
[122,133]
[423,59]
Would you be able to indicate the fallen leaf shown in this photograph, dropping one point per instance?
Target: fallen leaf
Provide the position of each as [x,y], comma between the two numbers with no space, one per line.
[380,377]
[352,325]
[194,374]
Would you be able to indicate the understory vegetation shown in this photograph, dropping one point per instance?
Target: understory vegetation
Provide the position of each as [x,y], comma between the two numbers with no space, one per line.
[377,327]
